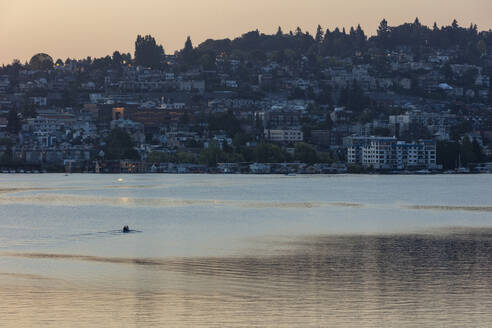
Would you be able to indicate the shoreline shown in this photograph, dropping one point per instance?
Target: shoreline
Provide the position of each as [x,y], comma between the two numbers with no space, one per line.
[225,174]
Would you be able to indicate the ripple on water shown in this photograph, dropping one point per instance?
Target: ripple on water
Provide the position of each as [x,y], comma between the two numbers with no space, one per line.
[80,200]
[337,281]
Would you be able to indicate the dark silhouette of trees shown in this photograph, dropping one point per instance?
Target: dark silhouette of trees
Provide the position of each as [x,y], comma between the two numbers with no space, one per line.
[383,33]
[285,47]
[225,122]
[188,53]
[214,154]
[471,44]
[117,58]
[354,98]
[305,153]
[119,145]
[280,33]
[188,48]
[7,157]
[147,52]
[319,34]
[269,153]
[448,154]
[14,122]
[451,154]
[41,62]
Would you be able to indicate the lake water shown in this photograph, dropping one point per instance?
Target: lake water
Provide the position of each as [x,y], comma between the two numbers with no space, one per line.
[245,251]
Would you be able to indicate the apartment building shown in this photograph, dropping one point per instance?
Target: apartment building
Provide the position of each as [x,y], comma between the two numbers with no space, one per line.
[389,153]
[284,135]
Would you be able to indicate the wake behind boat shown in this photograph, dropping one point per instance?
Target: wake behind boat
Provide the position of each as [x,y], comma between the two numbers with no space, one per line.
[126,229]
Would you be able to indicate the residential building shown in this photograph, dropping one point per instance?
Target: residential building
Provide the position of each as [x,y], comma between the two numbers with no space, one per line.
[284,135]
[389,153]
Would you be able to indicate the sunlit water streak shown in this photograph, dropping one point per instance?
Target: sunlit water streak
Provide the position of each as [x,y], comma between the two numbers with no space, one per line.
[217,251]
[64,200]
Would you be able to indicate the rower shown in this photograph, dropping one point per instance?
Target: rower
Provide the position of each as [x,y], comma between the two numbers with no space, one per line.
[126,229]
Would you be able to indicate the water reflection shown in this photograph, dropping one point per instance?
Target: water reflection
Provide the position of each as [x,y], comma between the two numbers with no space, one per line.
[426,280]
[161,202]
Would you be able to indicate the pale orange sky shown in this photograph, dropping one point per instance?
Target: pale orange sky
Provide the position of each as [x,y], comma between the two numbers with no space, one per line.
[81,28]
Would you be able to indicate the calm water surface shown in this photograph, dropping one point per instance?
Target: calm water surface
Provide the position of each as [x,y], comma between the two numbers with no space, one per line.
[245,251]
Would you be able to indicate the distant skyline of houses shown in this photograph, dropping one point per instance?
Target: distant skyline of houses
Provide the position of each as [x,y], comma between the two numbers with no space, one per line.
[384,109]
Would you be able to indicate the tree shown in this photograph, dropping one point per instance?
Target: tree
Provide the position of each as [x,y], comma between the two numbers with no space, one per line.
[225,122]
[28,111]
[280,33]
[448,154]
[384,32]
[469,77]
[447,72]
[383,26]
[360,36]
[240,140]
[14,123]
[188,53]
[477,150]
[319,35]
[7,157]
[454,24]
[210,156]
[41,62]
[354,98]
[207,62]
[299,33]
[161,157]
[147,52]
[188,44]
[482,48]
[268,153]
[185,158]
[119,145]
[305,153]
[461,128]
[117,58]
[467,152]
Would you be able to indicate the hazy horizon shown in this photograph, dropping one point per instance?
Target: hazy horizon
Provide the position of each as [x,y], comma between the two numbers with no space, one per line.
[79,29]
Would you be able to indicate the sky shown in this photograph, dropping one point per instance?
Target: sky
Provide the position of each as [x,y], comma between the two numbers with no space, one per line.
[81,28]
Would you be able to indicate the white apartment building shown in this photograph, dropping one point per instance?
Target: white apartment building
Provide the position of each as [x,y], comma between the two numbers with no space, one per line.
[389,153]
